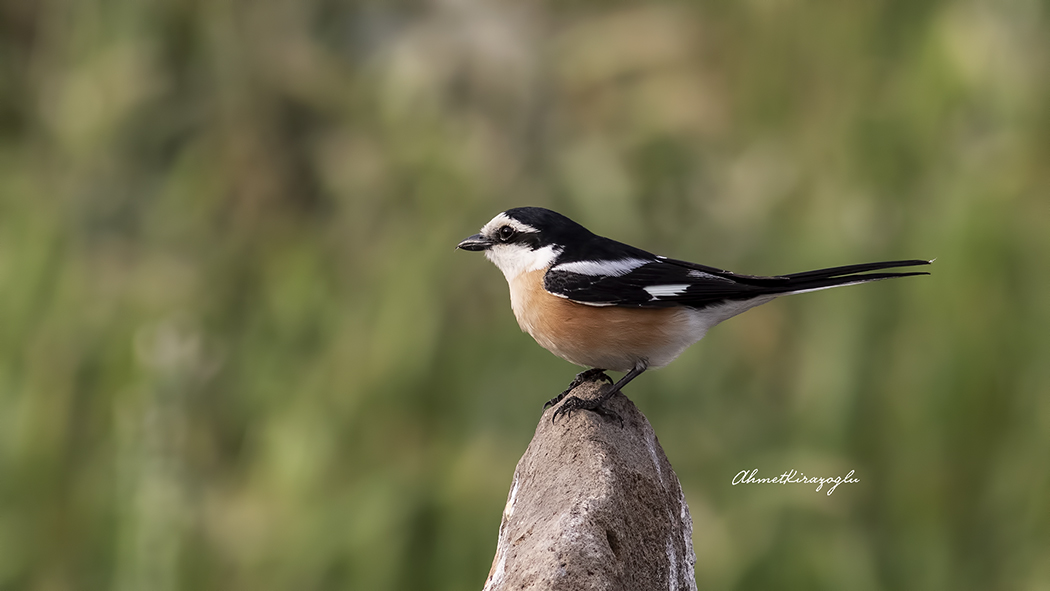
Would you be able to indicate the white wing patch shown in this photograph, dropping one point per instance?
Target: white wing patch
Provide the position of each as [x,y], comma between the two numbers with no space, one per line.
[602,268]
[665,291]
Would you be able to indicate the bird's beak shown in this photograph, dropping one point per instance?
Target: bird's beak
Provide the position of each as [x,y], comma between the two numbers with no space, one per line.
[475,242]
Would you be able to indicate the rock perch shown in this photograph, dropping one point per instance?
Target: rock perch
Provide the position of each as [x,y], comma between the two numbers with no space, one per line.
[594,506]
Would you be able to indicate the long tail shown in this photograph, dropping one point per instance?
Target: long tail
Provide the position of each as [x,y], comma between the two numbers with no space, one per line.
[705,292]
[839,276]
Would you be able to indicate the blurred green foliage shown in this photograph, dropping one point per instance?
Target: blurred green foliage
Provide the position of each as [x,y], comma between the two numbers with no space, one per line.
[238,350]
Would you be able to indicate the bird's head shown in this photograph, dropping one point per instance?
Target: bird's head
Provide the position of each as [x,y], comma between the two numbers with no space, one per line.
[525,239]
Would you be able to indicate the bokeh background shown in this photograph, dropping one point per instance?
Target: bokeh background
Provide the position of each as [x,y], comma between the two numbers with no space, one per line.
[238,350]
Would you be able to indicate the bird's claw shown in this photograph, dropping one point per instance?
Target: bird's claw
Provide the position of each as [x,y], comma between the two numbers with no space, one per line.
[595,405]
[582,377]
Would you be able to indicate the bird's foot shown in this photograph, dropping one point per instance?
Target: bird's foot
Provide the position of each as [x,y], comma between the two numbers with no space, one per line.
[583,376]
[593,405]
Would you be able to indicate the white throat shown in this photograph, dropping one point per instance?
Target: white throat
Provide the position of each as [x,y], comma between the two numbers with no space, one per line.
[515,259]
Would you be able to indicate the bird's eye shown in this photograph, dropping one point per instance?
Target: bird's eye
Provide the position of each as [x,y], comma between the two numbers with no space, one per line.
[506,233]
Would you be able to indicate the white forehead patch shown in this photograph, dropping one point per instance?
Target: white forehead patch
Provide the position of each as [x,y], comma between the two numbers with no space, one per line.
[615,268]
[504,220]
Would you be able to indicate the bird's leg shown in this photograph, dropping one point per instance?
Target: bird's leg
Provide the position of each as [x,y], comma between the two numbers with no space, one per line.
[595,405]
[583,376]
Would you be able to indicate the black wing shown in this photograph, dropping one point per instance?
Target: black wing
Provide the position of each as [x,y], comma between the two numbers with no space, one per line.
[658,282]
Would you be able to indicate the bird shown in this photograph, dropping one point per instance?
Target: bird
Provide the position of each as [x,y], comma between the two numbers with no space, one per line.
[609,306]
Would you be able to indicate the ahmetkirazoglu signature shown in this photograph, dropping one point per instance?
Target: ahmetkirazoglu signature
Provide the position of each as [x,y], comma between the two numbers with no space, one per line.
[794,477]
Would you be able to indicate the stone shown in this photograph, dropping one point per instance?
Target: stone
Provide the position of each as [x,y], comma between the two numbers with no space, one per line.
[594,506]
